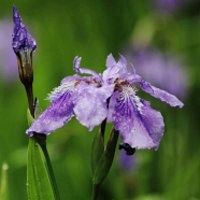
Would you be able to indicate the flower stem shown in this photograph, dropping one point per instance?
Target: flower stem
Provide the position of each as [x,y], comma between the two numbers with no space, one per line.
[29,92]
[103,161]
[95,191]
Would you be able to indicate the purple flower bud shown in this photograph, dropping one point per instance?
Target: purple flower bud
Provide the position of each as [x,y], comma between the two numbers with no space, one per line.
[22,39]
[23,45]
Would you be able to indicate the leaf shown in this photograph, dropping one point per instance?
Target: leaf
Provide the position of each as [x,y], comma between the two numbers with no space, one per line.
[4,183]
[29,117]
[40,183]
[106,160]
[97,150]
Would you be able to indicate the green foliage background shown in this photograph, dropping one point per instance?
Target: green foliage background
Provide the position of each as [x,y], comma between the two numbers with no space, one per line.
[93,29]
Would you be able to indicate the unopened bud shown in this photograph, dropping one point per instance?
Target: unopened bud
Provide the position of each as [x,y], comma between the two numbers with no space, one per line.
[23,45]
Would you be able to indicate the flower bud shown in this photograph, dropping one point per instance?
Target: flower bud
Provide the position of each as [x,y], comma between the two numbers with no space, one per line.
[23,45]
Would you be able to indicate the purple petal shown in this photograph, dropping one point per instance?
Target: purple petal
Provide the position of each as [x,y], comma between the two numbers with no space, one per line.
[110,61]
[140,126]
[76,64]
[127,68]
[54,117]
[111,107]
[74,78]
[112,73]
[153,122]
[67,86]
[161,94]
[122,61]
[91,104]
[21,37]
[119,69]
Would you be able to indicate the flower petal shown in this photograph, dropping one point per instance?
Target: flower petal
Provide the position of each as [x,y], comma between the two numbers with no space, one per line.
[119,69]
[67,86]
[122,61]
[78,69]
[110,61]
[140,126]
[111,107]
[160,94]
[112,73]
[54,117]
[75,78]
[91,104]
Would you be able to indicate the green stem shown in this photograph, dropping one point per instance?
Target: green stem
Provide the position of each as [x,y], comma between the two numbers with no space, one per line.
[104,163]
[29,93]
[95,191]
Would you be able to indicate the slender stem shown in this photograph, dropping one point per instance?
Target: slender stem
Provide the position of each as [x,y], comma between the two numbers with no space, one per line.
[103,127]
[105,163]
[29,92]
[95,191]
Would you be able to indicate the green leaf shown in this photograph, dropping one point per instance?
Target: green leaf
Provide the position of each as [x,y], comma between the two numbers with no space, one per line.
[30,118]
[98,147]
[103,160]
[40,181]
[97,150]
[4,183]
[106,160]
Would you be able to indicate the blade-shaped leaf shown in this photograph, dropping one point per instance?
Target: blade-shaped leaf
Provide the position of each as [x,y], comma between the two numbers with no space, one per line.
[106,160]
[40,184]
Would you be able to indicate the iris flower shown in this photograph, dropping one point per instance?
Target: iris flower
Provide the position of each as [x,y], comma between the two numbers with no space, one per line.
[110,96]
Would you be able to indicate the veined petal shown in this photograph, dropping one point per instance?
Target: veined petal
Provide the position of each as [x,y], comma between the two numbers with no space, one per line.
[140,126]
[153,122]
[111,106]
[78,69]
[91,104]
[68,86]
[54,117]
[160,94]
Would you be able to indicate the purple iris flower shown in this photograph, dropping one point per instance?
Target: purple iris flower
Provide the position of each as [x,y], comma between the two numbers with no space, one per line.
[112,96]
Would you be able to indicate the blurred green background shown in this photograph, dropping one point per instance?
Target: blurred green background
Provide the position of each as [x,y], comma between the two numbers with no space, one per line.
[93,29]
